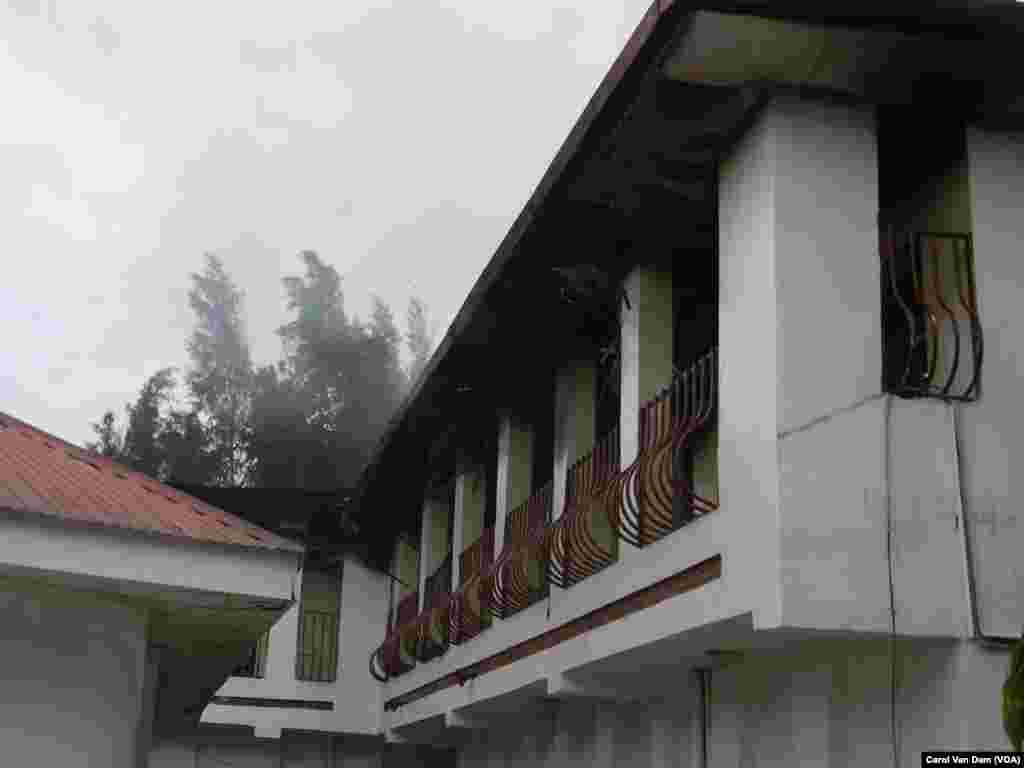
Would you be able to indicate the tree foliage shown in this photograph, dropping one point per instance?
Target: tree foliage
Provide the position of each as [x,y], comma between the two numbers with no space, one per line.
[143,444]
[310,421]
[220,378]
[110,436]
[417,336]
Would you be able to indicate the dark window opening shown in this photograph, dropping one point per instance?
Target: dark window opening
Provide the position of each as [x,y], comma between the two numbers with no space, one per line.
[694,337]
[931,333]
[606,391]
[491,482]
[256,663]
[319,608]
[542,447]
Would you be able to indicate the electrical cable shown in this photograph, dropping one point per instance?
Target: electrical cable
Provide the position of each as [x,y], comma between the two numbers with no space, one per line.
[887,483]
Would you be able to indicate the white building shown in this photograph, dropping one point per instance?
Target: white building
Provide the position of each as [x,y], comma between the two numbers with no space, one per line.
[304,695]
[715,466]
[769,517]
[124,604]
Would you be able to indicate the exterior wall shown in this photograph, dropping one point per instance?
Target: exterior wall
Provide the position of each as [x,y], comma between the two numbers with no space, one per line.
[575,389]
[657,733]
[827,271]
[747,331]
[406,567]
[849,464]
[646,348]
[355,695]
[513,475]
[142,563]
[473,509]
[835,569]
[74,680]
[216,748]
[827,704]
[992,429]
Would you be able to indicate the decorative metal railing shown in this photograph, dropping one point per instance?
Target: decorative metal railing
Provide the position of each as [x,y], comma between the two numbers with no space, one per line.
[317,659]
[583,539]
[639,504]
[434,619]
[470,611]
[653,493]
[396,655]
[932,335]
[518,577]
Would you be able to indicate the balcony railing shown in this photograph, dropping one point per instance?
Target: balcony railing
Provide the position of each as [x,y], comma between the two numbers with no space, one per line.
[583,540]
[639,504]
[932,335]
[396,655]
[654,492]
[471,604]
[518,578]
[434,619]
[317,659]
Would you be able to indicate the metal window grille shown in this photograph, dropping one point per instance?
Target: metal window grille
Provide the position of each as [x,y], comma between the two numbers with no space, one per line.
[932,342]
[317,659]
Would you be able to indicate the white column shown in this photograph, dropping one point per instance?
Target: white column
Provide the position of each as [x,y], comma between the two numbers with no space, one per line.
[799,328]
[575,387]
[646,350]
[459,526]
[426,532]
[514,445]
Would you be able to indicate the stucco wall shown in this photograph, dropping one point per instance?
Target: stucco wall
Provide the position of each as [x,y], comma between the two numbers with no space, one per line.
[825,208]
[356,696]
[993,428]
[72,668]
[144,563]
[238,749]
[823,702]
[747,328]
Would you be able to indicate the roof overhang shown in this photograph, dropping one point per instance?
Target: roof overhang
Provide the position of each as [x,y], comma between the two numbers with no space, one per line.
[206,605]
[689,81]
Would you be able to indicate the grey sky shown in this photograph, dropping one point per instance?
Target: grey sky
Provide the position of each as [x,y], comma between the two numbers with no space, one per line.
[399,140]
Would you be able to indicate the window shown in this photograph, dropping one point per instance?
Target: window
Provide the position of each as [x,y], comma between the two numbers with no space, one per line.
[317,657]
[931,334]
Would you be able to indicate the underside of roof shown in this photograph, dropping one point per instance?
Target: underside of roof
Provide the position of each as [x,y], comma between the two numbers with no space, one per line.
[636,182]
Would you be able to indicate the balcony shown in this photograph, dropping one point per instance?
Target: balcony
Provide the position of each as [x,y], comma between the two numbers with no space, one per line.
[434,620]
[397,654]
[471,604]
[606,504]
[317,658]
[932,342]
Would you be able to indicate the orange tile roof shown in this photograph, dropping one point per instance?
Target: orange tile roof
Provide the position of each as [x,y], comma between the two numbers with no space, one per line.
[42,474]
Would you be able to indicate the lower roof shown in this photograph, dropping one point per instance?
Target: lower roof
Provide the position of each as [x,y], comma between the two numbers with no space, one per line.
[43,475]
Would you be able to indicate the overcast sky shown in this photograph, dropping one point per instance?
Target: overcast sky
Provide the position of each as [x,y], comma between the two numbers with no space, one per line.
[399,140]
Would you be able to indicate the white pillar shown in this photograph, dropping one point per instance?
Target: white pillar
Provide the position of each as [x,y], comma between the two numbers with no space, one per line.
[425,537]
[459,527]
[799,329]
[575,387]
[513,476]
[646,350]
